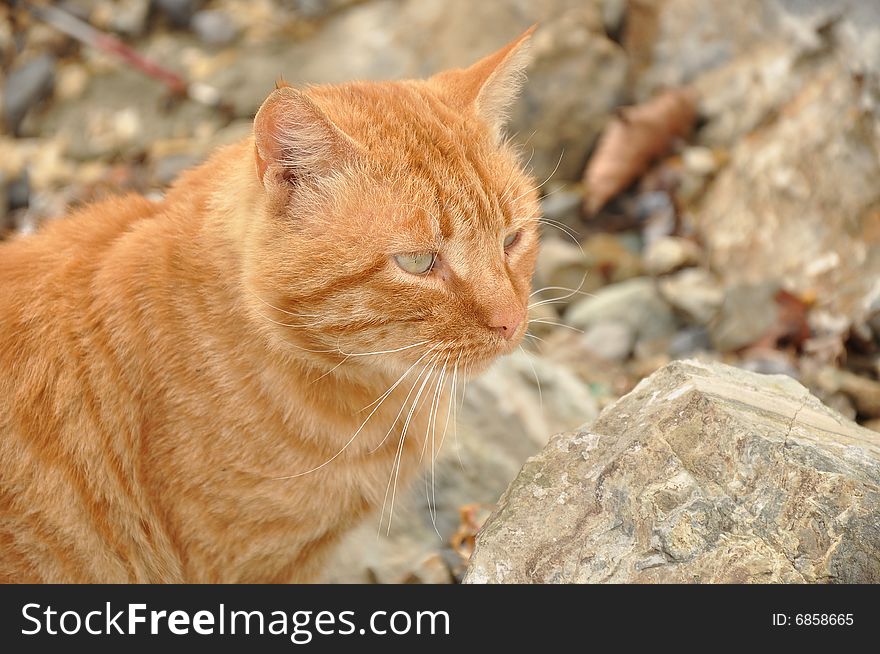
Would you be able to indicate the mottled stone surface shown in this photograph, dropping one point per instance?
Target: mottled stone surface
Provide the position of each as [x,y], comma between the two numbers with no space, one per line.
[636,303]
[685,38]
[800,203]
[703,473]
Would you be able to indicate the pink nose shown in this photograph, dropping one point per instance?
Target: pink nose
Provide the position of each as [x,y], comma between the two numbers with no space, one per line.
[506,322]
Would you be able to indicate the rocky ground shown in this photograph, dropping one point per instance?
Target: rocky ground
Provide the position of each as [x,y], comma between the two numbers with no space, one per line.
[704,473]
[745,229]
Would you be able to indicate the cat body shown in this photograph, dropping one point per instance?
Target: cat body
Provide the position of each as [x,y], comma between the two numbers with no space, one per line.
[216,386]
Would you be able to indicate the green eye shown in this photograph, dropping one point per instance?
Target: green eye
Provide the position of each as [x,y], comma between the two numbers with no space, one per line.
[511,239]
[418,263]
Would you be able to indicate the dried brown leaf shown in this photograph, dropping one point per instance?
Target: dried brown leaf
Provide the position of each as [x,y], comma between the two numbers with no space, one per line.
[791,328]
[635,138]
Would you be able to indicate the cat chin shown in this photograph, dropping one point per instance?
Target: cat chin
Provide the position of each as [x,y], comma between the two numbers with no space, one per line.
[477,367]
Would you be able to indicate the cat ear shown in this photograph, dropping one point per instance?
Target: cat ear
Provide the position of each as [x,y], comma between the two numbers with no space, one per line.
[295,139]
[490,86]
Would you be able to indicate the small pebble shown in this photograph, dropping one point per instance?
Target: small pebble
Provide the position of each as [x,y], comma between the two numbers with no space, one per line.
[668,254]
[610,340]
[215,27]
[179,12]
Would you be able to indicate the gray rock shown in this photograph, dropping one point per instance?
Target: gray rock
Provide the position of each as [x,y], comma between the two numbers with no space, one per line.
[857,26]
[770,362]
[747,313]
[768,216]
[703,473]
[215,27]
[516,403]
[79,8]
[636,303]
[88,124]
[567,271]
[505,419]
[740,96]
[689,341]
[179,12]
[126,17]
[748,90]
[657,212]
[695,293]
[613,15]
[25,86]
[18,191]
[669,254]
[610,340]
[691,37]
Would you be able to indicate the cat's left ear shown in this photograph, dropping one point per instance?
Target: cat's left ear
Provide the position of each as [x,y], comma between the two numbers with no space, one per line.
[295,140]
[490,86]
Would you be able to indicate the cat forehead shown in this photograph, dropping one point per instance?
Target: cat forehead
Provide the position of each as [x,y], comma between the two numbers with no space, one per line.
[440,171]
[459,205]
[397,117]
[426,223]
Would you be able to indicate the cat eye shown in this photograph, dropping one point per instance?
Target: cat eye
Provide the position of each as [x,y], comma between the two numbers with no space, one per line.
[417,263]
[511,239]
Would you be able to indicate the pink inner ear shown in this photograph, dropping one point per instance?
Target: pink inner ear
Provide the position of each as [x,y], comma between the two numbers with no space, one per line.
[292,134]
[261,164]
[266,150]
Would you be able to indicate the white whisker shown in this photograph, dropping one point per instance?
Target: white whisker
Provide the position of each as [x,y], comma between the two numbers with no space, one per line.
[329,372]
[572,291]
[562,297]
[290,313]
[431,428]
[351,440]
[565,230]
[399,455]
[557,324]
[298,347]
[367,354]
[403,404]
[537,381]
[455,413]
[435,450]
[364,354]
[508,185]
[561,154]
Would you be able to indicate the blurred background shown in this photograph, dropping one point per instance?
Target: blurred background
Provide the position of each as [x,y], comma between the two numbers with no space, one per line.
[710,172]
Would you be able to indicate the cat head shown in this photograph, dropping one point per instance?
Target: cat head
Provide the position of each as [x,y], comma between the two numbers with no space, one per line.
[395,219]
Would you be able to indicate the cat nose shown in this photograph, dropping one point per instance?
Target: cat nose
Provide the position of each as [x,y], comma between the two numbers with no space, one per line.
[506,321]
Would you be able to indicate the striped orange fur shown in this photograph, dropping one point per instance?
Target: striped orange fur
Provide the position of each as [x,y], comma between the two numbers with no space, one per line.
[214,387]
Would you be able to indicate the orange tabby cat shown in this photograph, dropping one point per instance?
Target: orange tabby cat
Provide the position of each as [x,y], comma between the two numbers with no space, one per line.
[216,386]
